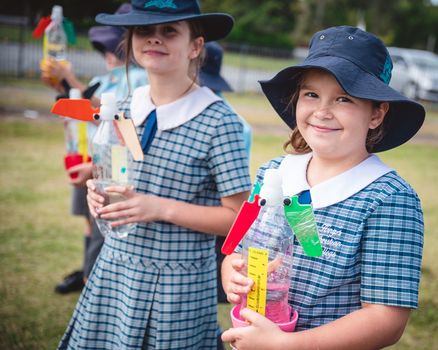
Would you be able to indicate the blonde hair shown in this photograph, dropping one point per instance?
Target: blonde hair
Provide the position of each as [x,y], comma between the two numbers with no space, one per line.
[298,145]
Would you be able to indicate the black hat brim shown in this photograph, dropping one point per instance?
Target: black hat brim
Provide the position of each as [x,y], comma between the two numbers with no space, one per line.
[403,120]
[214,82]
[216,26]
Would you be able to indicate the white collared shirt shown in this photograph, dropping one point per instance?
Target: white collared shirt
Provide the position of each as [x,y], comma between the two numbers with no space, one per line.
[173,114]
[335,189]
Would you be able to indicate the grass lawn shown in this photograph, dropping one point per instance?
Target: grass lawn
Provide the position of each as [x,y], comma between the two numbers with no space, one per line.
[40,242]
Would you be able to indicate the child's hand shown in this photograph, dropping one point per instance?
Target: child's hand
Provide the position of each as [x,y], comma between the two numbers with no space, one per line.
[260,334]
[238,284]
[132,207]
[95,201]
[84,173]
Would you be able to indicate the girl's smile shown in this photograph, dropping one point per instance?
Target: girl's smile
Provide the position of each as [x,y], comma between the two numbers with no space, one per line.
[164,48]
[334,124]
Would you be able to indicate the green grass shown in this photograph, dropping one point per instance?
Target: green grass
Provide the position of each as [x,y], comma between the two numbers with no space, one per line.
[40,241]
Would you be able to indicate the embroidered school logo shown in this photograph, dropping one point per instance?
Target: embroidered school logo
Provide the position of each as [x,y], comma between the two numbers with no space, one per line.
[161,4]
[386,73]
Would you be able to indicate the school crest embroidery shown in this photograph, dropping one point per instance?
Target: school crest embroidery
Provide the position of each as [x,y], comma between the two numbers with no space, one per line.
[161,4]
[386,72]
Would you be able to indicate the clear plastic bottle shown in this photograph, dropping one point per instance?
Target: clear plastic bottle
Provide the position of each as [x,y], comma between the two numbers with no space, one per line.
[113,164]
[76,139]
[271,232]
[55,39]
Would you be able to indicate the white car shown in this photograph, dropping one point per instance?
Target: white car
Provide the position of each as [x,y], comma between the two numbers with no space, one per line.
[415,73]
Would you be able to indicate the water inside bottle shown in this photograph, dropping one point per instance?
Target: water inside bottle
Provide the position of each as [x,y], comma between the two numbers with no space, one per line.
[110,198]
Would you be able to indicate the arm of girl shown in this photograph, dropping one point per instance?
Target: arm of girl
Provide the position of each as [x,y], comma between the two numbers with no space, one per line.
[372,327]
[146,208]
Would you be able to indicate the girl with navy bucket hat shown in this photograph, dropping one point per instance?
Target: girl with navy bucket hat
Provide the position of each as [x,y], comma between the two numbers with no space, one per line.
[156,288]
[358,294]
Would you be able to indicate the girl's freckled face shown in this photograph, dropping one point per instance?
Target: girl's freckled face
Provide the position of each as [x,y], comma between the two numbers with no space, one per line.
[333,123]
[163,48]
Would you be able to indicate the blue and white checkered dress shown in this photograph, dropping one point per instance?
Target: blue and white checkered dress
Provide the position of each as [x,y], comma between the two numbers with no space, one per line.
[156,289]
[372,245]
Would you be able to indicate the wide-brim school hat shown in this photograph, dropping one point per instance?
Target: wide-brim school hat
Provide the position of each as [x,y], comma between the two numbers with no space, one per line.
[209,74]
[108,38]
[362,66]
[151,12]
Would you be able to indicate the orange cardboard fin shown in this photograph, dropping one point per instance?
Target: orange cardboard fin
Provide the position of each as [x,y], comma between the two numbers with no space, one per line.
[79,109]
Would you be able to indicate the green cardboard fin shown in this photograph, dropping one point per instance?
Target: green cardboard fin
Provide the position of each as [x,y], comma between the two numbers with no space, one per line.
[302,221]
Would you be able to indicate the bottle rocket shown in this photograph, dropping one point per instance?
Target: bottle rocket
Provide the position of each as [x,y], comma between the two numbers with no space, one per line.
[267,250]
[54,42]
[112,161]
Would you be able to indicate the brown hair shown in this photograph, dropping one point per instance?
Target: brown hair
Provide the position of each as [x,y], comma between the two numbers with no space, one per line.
[298,145]
[196,31]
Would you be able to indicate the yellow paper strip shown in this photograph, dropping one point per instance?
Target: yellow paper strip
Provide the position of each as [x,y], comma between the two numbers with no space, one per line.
[82,140]
[119,161]
[258,272]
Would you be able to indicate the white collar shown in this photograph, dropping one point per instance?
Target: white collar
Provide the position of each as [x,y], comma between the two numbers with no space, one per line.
[173,114]
[333,190]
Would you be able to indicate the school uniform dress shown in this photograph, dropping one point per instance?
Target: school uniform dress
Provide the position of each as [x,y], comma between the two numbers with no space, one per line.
[370,224]
[156,288]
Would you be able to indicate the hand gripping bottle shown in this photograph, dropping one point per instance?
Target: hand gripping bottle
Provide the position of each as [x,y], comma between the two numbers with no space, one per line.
[113,164]
[267,249]
[76,139]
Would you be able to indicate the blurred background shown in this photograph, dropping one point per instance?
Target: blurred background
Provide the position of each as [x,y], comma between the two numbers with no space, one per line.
[40,240]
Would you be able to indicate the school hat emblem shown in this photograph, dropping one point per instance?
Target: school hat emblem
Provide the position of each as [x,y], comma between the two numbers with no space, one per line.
[161,4]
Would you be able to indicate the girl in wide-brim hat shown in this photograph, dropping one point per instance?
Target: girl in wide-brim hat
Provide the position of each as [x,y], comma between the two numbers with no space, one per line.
[359,291]
[156,288]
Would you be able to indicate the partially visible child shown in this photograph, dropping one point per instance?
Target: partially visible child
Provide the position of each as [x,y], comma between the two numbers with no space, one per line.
[156,288]
[359,293]
[119,80]
[210,76]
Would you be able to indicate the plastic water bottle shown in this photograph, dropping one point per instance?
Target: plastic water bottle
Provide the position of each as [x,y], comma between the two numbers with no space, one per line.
[271,232]
[76,139]
[55,39]
[112,162]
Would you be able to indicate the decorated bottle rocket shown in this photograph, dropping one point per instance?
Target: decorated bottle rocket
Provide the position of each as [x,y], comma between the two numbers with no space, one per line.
[112,161]
[113,164]
[267,249]
[57,32]
[76,139]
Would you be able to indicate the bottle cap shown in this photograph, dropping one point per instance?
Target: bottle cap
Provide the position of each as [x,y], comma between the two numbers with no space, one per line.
[272,187]
[74,94]
[56,13]
[108,106]
[108,98]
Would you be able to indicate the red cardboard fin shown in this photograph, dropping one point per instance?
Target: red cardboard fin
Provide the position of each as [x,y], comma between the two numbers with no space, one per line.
[247,214]
[41,26]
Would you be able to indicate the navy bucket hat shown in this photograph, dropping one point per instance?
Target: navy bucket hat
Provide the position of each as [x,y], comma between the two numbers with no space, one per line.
[210,73]
[362,66]
[108,39]
[151,12]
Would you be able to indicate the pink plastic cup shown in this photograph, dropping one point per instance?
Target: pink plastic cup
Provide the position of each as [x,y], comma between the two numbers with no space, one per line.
[73,159]
[238,321]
